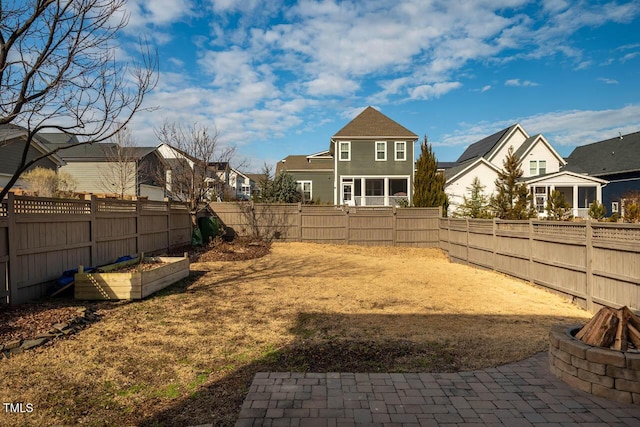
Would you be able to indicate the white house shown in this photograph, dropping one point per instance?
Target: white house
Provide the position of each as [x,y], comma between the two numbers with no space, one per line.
[541,165]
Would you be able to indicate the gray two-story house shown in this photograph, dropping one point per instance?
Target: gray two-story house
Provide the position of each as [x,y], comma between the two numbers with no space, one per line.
[370,162]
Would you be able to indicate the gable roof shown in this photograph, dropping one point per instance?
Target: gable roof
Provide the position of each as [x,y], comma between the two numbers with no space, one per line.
[483,147]
[9,132]
[457,171]
[530,142]
[554,175]
[371,123]
[616,155]
[59,138]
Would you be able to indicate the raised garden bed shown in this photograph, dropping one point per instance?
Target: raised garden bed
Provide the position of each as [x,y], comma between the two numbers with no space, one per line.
[131,279]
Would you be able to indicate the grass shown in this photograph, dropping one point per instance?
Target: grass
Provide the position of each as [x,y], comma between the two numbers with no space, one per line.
[187,355]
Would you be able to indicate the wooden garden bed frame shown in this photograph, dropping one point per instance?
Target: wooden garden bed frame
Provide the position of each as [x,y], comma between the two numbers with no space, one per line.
[110,285]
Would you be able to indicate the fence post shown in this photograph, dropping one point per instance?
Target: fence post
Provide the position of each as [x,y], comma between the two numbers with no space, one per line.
[530,275]
[466,255]
[138,224]
[13,247]
[494,261]
[394,227]
[588,265]
[347,226]
[299,222]
[93,256]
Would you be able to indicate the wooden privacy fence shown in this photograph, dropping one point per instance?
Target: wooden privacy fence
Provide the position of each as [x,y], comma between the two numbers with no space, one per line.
[596,264]
[380,226]
[40,238]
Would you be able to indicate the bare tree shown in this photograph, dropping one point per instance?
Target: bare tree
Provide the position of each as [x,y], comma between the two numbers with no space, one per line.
[119,174]
[194,150]
[58,71]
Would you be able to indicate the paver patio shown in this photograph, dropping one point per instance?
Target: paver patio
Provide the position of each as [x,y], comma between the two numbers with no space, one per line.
[519,394]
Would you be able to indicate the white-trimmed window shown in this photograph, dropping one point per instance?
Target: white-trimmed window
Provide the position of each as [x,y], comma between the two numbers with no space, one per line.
[246,189]
[381,151]
[401,150]
[304,187]
[537,167]
[345,151]
[615,207]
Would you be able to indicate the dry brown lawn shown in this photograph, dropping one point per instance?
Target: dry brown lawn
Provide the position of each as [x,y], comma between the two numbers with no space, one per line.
[187,355]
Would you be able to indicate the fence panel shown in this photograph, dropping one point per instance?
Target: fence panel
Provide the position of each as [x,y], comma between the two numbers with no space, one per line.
[512,248]
[277,221]
[458,244]
[49,236]
[615,266]
[371,226]
[324,224]
[481,242]
[417,227]
[179,225]
[40,238]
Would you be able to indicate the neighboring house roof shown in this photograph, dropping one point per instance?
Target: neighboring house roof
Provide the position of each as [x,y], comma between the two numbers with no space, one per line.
[257,177]
[98,152]
[611,156]
[373,124]
[59,138]
[446,165]
[219,166]
[9,132]
[483,147]
[554,175]
[304,163]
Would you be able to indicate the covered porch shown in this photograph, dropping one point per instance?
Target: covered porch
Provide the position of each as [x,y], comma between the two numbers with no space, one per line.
[375,190]
[578,190]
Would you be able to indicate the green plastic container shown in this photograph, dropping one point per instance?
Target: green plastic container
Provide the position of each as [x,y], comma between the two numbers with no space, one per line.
[208,227]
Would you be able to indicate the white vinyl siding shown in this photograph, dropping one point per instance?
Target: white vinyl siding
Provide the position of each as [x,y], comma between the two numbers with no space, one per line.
[381,151]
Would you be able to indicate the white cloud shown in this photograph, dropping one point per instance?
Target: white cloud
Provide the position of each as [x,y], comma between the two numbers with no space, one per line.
[433,91]
[485,88]
[608,81]
[560,128]
[327,84]
[517,82]
[156,13]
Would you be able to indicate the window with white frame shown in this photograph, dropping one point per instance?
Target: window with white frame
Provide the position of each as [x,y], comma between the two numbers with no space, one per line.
[401,150]
[542,167]
[537,167]
[246,189]
[304,187]
[615,207]
[345,151]
[381,151]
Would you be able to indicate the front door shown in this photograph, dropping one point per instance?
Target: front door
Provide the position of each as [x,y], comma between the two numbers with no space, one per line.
[347,193]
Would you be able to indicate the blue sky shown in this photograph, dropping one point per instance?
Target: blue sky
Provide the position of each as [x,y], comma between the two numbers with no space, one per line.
[281,77]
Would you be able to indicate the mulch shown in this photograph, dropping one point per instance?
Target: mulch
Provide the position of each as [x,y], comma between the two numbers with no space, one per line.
[27,321]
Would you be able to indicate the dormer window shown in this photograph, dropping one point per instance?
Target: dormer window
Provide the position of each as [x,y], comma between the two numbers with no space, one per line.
[381,151]
[537,167]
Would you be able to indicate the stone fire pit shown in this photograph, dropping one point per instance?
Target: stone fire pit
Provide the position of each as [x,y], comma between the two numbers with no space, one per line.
[600,371]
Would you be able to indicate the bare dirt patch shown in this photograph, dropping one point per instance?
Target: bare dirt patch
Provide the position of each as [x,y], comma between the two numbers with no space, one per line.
[186,355]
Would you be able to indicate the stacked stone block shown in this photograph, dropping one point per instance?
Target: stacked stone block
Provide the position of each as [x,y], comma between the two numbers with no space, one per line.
[600,371]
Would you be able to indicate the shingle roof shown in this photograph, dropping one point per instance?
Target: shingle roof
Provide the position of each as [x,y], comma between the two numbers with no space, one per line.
[101,151]
[370,124]
[484,146]
[300,162]
[525,146]
[615,155]
[59,138]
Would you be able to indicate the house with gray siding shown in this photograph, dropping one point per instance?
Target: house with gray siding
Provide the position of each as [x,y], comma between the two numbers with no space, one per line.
[13,139]
[370,162]
[106,168]
[616,160]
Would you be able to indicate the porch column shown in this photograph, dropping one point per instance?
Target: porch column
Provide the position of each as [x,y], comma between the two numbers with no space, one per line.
[386,192]
[599,193]
[363,191]
[575,201]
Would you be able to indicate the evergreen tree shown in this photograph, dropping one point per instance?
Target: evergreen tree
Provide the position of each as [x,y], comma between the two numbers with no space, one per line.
[558,208]
[477,205]
[597,210]
[429,183]
[513,200]
[282,189]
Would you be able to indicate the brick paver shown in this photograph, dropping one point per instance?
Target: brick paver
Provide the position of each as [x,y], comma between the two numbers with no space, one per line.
[519,394]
